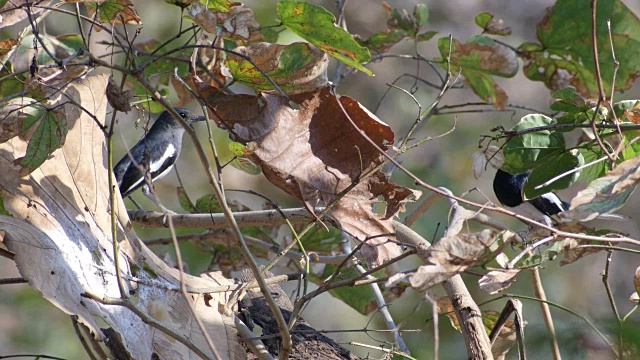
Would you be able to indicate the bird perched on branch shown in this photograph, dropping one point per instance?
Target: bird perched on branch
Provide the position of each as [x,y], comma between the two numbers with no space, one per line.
[154,155]
[508,190]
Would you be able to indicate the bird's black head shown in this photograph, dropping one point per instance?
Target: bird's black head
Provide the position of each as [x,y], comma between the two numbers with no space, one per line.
[166,119]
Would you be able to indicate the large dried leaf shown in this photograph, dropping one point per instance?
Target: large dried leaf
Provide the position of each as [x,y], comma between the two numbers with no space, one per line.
[606,194]
[239,23]
[314,153]
[9,17]
[452,255]
[60,233]
[497,280]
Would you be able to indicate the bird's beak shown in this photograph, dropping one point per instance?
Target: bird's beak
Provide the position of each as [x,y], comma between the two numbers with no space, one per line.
[195,118]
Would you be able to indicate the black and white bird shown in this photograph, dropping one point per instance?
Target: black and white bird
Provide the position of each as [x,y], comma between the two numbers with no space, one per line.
[154,155]
[508,190]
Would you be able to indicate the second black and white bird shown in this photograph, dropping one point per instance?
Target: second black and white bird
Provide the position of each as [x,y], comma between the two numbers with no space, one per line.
[508,190]
[155,154]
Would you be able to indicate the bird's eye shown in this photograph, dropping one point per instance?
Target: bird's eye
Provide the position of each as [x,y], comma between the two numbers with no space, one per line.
[183,115]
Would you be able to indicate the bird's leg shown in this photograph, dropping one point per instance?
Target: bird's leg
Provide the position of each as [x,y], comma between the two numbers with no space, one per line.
[134,203]
[147,193]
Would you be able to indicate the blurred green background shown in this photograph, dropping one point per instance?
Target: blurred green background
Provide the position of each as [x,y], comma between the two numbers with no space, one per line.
[32,325]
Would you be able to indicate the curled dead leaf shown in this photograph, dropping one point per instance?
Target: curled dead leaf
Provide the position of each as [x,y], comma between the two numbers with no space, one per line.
[452,255]
[497,280]
[606,194]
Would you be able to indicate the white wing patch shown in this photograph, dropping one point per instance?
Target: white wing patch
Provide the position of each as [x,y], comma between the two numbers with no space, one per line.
[554,199]
[155,166]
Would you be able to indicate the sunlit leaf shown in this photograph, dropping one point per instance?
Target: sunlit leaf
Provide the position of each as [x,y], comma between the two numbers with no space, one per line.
[317,25]
[46,138]
[522,152]
[295,68]
[246,165]
[480,58]
[564,55]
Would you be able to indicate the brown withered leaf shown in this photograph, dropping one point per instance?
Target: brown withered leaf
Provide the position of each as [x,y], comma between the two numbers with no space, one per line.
[60,234]
[497,280]
[444,306]
[118,99]
[452,255]
[203,17]
[314,153]
[606,194]
[239,23]
[9,17]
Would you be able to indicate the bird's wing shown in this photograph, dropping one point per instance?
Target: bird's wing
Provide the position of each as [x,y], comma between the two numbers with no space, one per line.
[549,204]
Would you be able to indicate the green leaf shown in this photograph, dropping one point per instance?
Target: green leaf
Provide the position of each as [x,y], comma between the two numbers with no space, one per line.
[426,36]
[3,3]
[3,211]
[246,165]
[552,167]
[596,170]
[73,42]
[568,100]
[317,25]
[219,5]
[360,298]
[319,239]
[237,149]
[482,19]
[300,67]
[269,35]
[208,204]
[421,14]
[522,152]
[47,137]
[185,202]
[383,41]
[491,25]
[565,53]
[478,59]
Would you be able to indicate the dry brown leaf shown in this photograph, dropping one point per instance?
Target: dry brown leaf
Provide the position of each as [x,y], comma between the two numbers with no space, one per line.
[314,153]
[452,255]
[10,17]
[489,156]
[239,23]
[203,17]
[498,280]
[118,98]
[606,194]
[60,233]
[504,341]
[444,306]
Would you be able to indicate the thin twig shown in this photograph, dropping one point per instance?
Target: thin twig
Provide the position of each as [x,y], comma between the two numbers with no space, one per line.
[546,313]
